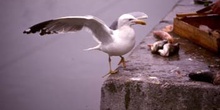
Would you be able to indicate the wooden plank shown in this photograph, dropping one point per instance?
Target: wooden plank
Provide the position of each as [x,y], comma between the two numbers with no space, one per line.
[195,35]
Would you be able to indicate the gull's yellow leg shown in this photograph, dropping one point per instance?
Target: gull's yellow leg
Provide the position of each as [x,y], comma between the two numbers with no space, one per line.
[122,61]
[110,67]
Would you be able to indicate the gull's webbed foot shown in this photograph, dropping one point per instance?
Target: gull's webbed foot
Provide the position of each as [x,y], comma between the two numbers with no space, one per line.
[111,72]
[122,61]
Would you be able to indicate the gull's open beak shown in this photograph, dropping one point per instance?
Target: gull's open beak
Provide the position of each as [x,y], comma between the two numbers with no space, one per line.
[140,22]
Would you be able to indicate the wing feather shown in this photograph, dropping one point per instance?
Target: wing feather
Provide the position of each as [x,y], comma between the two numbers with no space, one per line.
[138,15]
[72,24]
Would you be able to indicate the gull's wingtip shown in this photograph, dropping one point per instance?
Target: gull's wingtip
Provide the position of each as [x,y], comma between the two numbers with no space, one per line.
[27,31]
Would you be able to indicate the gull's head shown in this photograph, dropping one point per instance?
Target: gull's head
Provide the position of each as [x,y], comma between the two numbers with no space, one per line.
[132,19]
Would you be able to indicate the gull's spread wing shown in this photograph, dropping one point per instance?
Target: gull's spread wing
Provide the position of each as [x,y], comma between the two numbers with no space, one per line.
[138,15]
[71,24]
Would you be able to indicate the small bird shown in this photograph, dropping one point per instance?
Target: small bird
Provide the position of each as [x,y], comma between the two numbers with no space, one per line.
[116,40]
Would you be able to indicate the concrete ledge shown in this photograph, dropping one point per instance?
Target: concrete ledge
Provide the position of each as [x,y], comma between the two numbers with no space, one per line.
[145,95]
[152,82]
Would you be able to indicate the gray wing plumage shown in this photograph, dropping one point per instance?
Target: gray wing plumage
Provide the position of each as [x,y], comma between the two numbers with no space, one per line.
[138,15]
[72,24]
[114,25]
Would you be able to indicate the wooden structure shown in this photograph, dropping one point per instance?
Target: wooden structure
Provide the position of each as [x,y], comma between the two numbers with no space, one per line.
[187,26]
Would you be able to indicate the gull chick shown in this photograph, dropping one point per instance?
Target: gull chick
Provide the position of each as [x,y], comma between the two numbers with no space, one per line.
[116,40]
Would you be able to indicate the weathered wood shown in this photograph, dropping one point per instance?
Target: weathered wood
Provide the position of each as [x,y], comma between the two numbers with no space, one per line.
[188,27]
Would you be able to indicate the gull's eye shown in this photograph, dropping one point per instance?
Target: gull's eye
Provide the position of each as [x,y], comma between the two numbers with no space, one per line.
[130,19]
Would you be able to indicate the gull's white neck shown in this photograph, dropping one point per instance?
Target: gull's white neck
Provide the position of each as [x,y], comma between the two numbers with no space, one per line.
[126,32]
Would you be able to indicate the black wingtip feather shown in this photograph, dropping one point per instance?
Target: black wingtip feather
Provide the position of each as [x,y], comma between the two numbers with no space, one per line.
[28,31]
[38,28]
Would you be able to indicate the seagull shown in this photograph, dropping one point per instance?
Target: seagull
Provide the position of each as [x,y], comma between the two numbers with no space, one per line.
[116,40]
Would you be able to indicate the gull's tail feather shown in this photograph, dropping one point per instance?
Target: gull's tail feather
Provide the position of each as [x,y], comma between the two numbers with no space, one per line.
[93,48]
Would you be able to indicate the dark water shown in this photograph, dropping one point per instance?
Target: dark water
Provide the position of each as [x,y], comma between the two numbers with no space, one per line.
[53,72]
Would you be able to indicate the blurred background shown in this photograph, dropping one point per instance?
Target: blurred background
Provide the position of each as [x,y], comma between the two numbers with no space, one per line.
[53,72]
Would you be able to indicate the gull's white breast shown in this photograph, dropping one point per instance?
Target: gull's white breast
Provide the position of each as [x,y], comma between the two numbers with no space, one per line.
[123,42]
